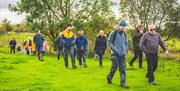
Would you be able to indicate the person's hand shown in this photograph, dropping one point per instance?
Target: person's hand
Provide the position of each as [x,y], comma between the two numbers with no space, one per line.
[166,51]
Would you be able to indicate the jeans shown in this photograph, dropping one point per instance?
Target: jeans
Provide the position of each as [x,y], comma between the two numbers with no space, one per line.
[81,56]
[70,51]
[59,51]
[40,53]
[118,61]
[100,53]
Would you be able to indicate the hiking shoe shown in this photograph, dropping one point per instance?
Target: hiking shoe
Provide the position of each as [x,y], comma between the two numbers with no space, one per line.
[130,64]
[124,86]
[109,81]
[85,66]
[74,67]
[100,67]
[153,83]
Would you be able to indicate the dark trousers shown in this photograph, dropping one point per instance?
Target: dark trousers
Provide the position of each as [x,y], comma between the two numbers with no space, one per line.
[100,54]
[12,49]
[152,63]
[70,51]
[81,56]
[59,52]
[138,54]
[40,53]
[118,61]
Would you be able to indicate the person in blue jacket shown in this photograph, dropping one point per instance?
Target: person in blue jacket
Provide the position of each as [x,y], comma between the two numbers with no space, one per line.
[12,45]
[39,41]
[81,48]
[118,43]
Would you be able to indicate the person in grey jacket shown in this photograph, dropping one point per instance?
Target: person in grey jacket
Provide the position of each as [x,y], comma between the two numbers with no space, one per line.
[59,44]
[118,43]
[149,44]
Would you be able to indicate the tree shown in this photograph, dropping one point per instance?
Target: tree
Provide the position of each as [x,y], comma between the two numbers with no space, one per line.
[149,11]
[6,25]
[51,16]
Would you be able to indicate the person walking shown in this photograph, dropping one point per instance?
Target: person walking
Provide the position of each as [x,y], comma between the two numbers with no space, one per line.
[118,43]
[100,46]
[149,44]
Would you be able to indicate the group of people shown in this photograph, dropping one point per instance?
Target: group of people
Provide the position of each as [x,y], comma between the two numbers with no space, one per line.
[147,42]
[29,47]
[68,44]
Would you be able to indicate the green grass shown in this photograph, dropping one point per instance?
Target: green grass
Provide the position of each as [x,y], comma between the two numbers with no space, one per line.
[19,72]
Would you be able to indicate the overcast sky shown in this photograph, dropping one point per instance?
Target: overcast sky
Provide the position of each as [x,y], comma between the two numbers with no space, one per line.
[15,18]
[5,13]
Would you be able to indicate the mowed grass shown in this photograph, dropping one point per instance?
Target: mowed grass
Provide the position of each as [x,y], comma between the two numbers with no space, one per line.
[20,72]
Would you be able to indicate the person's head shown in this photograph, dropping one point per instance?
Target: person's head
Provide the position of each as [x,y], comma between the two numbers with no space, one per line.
[29,38]
[101,33]
[81,32]
[69,27]
[60,33]
[152,28]
[122,25]
[140,28]
[38,31]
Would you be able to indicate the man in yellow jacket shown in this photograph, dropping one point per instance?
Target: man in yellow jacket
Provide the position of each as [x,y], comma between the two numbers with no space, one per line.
[68,37]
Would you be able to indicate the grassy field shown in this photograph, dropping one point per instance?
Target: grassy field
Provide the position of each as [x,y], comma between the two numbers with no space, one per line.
[19,72]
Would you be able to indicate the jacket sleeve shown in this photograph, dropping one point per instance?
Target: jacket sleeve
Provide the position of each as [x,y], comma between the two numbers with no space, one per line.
[143,44]
[55,43]
[86,44]
[161,43]
[126,43]
[110,40]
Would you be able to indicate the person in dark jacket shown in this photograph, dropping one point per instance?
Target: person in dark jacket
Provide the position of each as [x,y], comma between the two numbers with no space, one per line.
[100,46]
[19,49]
[12,45]
[118,43]
[39,41]
[81,48]
[149,44]
[136,37]
[59,43]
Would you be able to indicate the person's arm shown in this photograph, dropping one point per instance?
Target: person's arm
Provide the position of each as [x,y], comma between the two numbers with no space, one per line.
[86,44]
[110,41]
[143,44]
[42,38]
[161,43]
[126,42]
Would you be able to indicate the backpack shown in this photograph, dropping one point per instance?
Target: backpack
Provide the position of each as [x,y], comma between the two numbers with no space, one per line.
[115,34]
